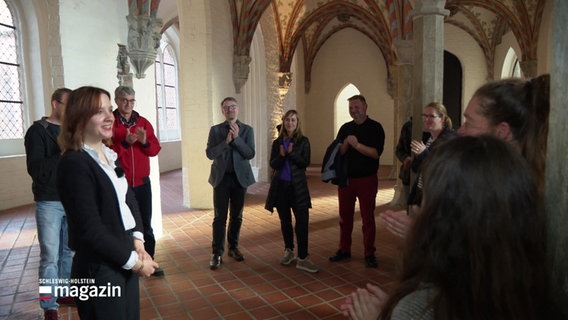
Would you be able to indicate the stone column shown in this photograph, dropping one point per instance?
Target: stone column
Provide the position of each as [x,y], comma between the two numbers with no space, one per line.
[57,72]
[556,184]
[428,24]
[284,82]
[402,96]
[196,100]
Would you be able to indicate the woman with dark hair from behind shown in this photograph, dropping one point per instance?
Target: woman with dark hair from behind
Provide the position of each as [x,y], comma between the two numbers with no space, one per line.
[474,252]
[514,110]
[105,227]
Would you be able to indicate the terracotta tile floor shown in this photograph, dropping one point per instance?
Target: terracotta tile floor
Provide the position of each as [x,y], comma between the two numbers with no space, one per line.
[258,288]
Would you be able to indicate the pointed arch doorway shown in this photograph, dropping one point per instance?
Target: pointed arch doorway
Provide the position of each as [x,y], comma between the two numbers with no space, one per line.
[341,106]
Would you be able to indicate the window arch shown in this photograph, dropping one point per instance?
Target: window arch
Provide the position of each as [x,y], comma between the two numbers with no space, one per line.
[516,71]
[11,104]
[342,106]
[511,65]
[167,94]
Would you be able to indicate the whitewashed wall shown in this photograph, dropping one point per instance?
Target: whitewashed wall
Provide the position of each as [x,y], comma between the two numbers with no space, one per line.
[337,65]
[90,31]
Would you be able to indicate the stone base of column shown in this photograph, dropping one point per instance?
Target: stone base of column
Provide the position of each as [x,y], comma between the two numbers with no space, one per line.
[400,195]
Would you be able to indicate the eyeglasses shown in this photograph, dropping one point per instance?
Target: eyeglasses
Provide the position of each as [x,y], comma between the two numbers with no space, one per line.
[430,116]
[124,100]
[232,106]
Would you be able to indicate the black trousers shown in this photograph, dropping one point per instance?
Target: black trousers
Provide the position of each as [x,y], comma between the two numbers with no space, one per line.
[123,307]
[229,194]
[285,205]
[143,195]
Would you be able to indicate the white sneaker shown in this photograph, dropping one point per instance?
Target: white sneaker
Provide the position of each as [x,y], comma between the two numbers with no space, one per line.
[288,257]
[307,265]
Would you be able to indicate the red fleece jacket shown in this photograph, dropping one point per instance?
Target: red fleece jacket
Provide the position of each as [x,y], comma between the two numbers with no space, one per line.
[134,158]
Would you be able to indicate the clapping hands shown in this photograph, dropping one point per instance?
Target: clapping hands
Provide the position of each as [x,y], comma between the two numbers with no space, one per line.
[233,132]
[365,303]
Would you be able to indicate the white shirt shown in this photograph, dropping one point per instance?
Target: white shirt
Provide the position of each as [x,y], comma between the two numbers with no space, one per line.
[121,188]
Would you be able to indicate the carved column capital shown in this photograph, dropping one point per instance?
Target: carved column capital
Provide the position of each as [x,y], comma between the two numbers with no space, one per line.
[284,82]
[240,71]
[123,67]
[405,51]
[528,67]
[429,7]
[143,42]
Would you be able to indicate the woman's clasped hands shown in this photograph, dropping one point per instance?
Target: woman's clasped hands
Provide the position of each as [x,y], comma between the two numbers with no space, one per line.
[145,266]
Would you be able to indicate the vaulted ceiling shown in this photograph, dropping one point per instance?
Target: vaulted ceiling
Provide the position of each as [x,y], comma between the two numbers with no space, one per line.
[313,22]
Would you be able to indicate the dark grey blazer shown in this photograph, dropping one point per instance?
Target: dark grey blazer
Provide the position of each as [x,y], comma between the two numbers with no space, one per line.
[242,149]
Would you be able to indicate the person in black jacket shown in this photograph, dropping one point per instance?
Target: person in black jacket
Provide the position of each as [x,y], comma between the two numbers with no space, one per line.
[515,110]
[105,227]
[438,126]
[42,156]
[289,157]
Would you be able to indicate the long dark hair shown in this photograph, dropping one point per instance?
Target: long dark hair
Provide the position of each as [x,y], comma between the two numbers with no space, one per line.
[480,238]
[525,105]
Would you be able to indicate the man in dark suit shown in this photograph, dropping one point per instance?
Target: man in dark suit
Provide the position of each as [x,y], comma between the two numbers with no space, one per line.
[230,145]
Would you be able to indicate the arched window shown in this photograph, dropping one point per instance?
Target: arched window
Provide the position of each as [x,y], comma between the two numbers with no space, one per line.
[342,106]
[11,112]
[511,66]
[167,94]
[516,72]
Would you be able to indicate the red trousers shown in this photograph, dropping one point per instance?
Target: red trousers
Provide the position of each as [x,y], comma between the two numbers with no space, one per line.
[365,189]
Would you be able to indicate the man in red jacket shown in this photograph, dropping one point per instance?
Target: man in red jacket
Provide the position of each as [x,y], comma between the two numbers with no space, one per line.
[135,142]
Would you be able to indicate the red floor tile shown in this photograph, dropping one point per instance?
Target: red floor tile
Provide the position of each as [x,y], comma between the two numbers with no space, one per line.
[258,288]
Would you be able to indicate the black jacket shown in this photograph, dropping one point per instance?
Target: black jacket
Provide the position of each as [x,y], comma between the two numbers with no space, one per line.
[335,167]
[299,160]
[419,159]
[415,196]
[403,148]
[42,155]
[93,212]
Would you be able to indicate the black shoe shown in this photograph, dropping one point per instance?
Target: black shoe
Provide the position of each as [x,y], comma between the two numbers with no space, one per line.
[340,255]
[371,262]
[215,262]
[236,254]
[159,272]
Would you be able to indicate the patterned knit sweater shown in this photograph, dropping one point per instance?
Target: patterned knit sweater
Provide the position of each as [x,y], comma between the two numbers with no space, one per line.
[415,305]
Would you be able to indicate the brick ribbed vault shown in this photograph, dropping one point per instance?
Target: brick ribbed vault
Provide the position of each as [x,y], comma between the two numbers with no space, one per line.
[313,22]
